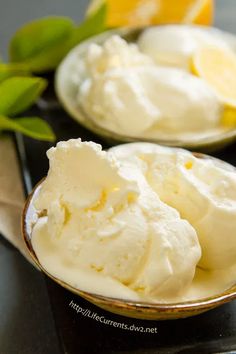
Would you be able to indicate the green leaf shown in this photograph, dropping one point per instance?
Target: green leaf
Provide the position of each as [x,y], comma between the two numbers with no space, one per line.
[94,24]
[41,44]
[9,70]
[19,93]
[33,127]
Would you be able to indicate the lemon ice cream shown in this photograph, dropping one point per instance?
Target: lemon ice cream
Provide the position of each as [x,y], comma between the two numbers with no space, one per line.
[127,93]
[202,190]
[102,228]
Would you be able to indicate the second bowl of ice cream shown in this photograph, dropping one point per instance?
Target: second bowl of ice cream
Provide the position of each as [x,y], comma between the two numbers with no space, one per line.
[169,84]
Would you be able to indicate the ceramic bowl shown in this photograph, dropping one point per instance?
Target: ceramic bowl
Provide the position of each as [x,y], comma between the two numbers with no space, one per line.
[67,88]
[141,310]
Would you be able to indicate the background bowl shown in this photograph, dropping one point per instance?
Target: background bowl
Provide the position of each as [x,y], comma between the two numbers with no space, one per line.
[141,310]
[67,89]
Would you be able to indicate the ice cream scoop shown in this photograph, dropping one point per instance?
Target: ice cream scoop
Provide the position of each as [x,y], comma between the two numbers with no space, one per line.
[127,93]
[99,221]
[202,190]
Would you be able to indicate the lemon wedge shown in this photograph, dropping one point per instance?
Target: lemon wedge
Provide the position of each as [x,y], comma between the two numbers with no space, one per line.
[146,12]
[217,66]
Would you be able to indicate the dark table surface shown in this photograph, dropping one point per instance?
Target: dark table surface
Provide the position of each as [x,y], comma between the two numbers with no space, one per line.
[35,316]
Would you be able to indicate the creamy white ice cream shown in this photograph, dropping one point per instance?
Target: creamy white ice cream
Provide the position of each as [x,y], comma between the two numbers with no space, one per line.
[127,93]
[102,228]
[139,222]
[202,190]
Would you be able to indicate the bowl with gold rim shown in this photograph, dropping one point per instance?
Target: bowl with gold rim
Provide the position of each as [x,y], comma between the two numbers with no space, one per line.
[126,307]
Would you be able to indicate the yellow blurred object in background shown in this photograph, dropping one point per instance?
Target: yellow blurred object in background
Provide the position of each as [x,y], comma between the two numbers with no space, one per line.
[134,13]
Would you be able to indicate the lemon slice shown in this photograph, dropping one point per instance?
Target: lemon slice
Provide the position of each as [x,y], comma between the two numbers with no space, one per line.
[228,118]
[147,12]
[217,66]
[200,12]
